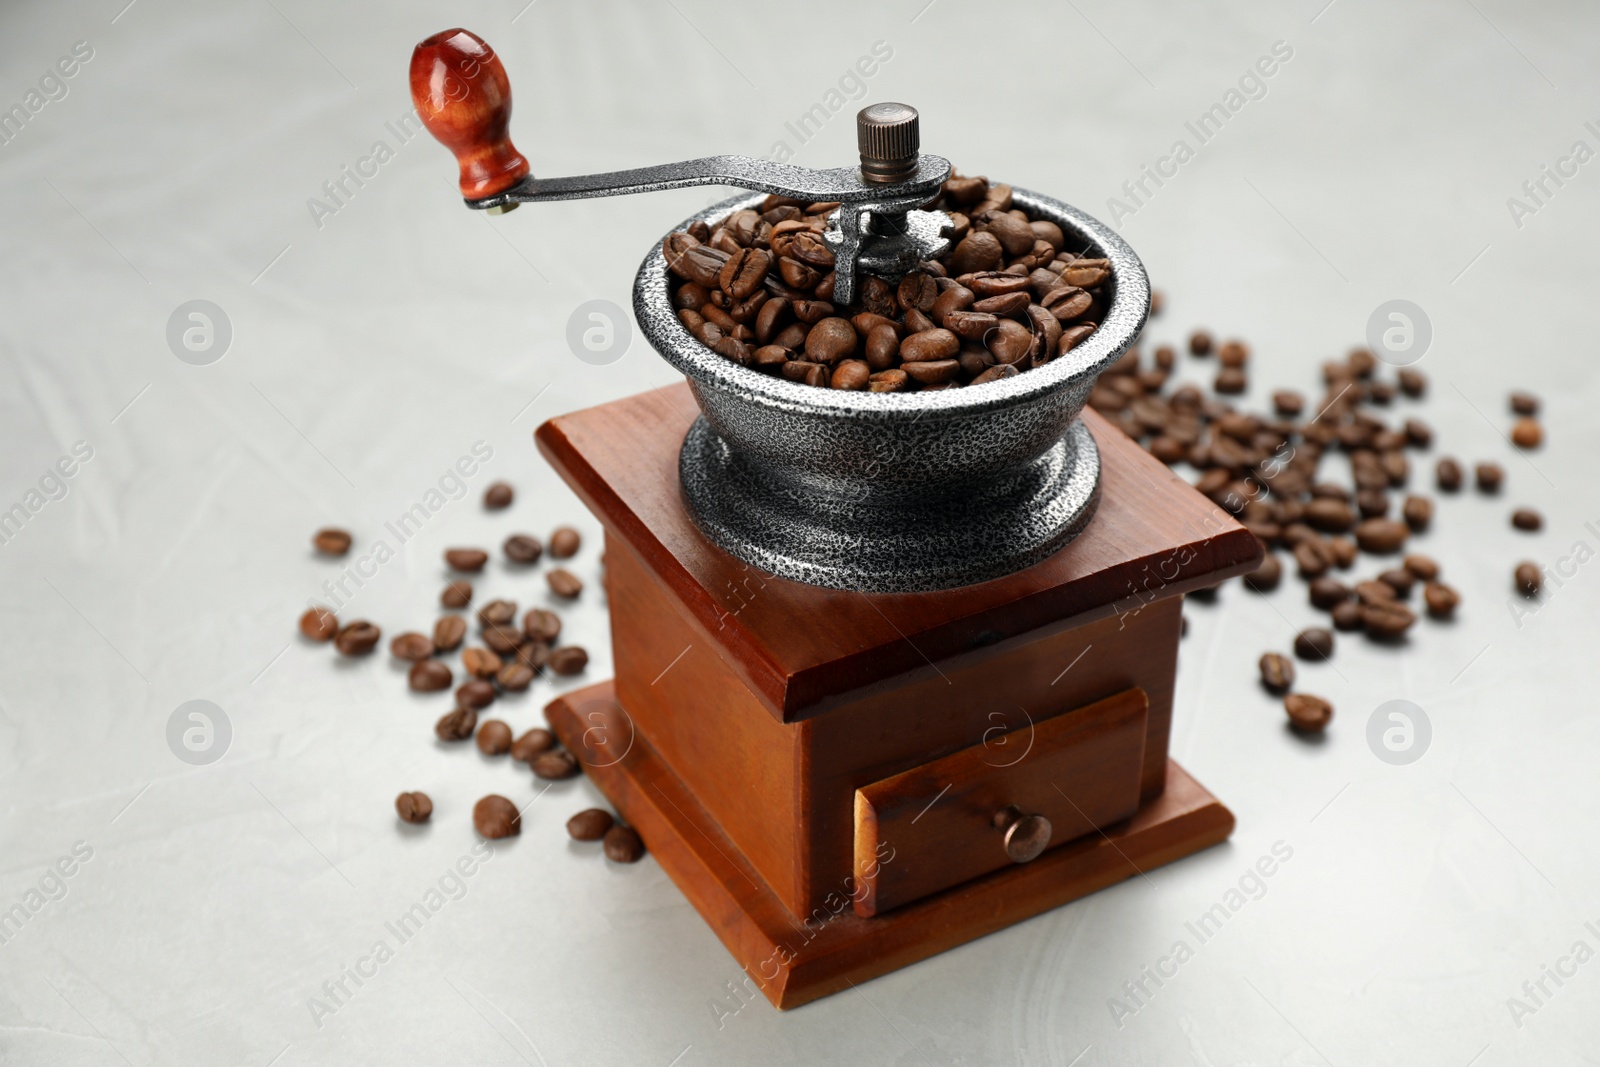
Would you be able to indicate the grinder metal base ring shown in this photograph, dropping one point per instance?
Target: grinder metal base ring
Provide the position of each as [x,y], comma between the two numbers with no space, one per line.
[998,528]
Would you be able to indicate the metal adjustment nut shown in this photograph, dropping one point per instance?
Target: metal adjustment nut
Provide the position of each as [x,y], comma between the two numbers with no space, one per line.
[1026,836]
[888,137]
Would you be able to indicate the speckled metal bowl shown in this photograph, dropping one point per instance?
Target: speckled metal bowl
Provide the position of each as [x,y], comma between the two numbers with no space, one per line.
[895,492]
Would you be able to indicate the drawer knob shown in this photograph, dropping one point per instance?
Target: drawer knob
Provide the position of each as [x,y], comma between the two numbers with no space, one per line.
[1026,836]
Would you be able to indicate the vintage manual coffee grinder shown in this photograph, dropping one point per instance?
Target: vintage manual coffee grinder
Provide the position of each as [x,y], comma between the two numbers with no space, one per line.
[894,671]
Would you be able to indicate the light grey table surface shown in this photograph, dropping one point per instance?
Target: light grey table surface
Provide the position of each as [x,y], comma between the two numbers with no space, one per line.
[372,346]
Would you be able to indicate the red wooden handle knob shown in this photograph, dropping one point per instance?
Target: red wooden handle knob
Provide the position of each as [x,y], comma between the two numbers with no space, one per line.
[462,94]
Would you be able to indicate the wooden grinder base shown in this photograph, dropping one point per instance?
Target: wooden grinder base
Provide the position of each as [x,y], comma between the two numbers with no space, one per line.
[754,722]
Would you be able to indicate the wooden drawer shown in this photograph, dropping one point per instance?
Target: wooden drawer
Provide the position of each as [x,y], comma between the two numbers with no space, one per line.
[934,826]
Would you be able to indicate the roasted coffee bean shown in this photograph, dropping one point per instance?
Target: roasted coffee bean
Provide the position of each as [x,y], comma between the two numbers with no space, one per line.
[1311,559]
[929,346]
[456,595]
[480,662]
[623,845]
[590,825]
[1372,591]
[933,372]
[882,348]
[571,659]
[541,625]
[1418,433]
[1347,616]
[1200,343]
[1524,404]
[522,548]
[1277,672]
[470,560]
[742,274]
[1528,579]
[887,381]
[995,374]
[495,817]
[1314,644]
[498,495]
[504,640]
[1387,619]
[1440,599]
[1233,353]
[494,738]
[979,251]
[1372,503]
[1008,341]
[357,638]
[1005,305]
[1527,433]
[830,340]
[1266,577]
[449,632]
[1381,536]
[850,374]
[1447,475]
[532,743]
[564,542]
[1308,714]
[563,582]
[456,725]
[331,541]
[554,765]
[1424,567]
[1488,477]
[1418,512]
[319,624]
[1073,336]
[429,676]
[514,677]
[970,325]
[1328,592]
[1526,519]
[805,371]
[1412,382]
[917,290]
[1067,304]
[1231,381]
[497,612]
[413,807]
[475,694]
[1287,403]
[1328,515]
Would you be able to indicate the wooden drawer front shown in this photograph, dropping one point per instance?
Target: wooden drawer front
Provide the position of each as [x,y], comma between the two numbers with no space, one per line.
[932,827]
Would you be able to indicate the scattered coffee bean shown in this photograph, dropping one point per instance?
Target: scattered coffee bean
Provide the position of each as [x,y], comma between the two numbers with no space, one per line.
[1418,512]
[1447,475]
[497,496]
[1381,536]
[456,725]
[1277,672]
[1314,644]
[449,632]
[569,660]
[1524,404]
[532,743]
[1307,713]
[413,807]
[495,817]
[1200,343]
[554,765]
[1266,577]
[475,694]
[564,542]
[514,677]
[1329,516]
[358,638]
[1526,519]
[622,845]
[429,676]
[494,738]
[1400,580]
[470,560]
[590,825]
[480,662]
[497,612]
[1387,619]
[563,582]
[457,594]
[1347,616]
[331,541]
[1489,477]
[1288,403]
[1440,599]
[1529,579]
[1527,433]
[541,625]
[1412,382]
[412,646]
[1424,567]
[522,548]
[319,624]
[1327,592]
